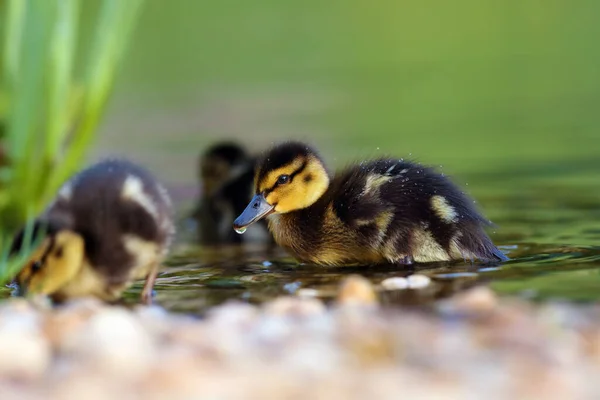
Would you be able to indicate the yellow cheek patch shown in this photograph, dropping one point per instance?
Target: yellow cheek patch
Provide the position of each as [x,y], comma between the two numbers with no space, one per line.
[309,183]
[315,177]
[443,210]
[62,259]
[273,197]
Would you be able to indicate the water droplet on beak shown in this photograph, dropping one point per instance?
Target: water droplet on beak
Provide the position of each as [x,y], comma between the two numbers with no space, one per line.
[240,230]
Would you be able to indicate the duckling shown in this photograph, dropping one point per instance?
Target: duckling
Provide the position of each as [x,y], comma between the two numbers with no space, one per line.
[226,171]
[380,211]
[109,225]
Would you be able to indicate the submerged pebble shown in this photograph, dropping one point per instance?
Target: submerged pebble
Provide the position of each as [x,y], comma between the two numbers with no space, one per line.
[115,342]
[395,283]
[294,306]
[24,351]
[418,281]
[480,299]
[307,292]
[356,290]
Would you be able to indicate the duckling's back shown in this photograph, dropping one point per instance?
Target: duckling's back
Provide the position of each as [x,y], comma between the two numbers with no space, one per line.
[120,210]
[404,211]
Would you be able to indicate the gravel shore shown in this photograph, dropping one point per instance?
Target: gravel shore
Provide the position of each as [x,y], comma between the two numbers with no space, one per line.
[471,346]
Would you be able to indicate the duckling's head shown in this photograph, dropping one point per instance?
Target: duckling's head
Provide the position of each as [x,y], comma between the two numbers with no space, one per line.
[54,263]
[289,177]
[217,163]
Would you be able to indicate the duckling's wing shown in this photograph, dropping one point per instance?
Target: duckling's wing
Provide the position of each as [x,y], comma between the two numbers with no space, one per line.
[391,200]
[353,201]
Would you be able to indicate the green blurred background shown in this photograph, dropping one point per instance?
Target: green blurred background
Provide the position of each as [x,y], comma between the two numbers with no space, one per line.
[474,86]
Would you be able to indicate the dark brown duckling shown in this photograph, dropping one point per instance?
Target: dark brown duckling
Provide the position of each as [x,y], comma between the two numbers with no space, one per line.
[379,211]
[226,172]
[109,225]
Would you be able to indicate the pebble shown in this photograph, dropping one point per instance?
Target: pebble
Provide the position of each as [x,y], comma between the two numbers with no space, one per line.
[395,283]
[356,290]
[24,351]
[480,299]
[307,292]
[418,281]
[115,342]
[233,315]
[294,306]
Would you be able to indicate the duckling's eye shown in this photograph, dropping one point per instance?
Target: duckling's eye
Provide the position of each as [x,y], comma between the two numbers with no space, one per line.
[36,266]
[283,179]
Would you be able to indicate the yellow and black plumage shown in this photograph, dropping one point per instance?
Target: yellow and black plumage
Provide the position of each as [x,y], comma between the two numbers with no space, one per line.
[109,225]
[379,211]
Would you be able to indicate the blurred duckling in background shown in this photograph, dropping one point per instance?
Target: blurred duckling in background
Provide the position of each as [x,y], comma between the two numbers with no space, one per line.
[109,225]
[380,211]
[226,173]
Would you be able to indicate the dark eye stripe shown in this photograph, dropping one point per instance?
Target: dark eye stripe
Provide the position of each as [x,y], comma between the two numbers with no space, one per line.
[292,175]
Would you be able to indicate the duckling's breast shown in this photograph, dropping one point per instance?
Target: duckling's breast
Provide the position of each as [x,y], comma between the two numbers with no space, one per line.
[320,237]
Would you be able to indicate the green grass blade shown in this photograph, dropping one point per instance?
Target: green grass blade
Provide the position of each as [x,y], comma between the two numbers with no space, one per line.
[27,111]
[15,19]
[116,21]
[10,264]
[59,72]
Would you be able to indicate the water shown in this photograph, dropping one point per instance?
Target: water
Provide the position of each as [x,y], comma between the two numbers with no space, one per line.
[548,227]
[200,279]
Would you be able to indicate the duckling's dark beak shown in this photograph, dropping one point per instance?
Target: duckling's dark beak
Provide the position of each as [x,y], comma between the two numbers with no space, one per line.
[257,209]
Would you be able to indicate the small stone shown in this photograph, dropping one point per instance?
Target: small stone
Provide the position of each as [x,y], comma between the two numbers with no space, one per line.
[480,299]
[233,315]
[41,302]
[395,283]
[114,341]
[84,384]
[307,292]
[155,319]
[418,281]
[24,352]
[64,322]
[356,290]
[294,306]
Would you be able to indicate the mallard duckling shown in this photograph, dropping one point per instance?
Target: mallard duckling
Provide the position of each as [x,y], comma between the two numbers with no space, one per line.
[218,165]
[109,225]
[380,211]
[226,172]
